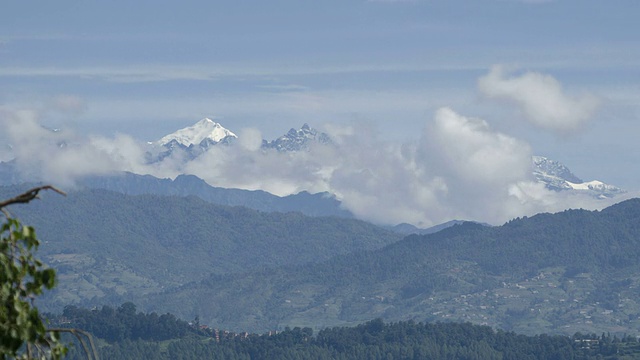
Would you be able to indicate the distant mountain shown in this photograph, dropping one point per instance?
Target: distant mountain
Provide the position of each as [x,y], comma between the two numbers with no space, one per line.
[408,229]
[555,176]
[297,140]
[202,133]
[115,247]
[194,140]
[574,271]
[198,138]
[320,204]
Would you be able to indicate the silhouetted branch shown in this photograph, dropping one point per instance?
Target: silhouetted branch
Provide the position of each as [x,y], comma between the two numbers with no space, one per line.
[29,195]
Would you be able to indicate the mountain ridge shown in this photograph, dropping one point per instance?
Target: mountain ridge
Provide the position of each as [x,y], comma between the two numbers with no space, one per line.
[576,269]
[111,246]
[554,175]
[204,131]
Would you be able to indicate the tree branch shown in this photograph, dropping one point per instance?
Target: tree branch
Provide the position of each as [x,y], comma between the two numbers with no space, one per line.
[77,333]
[29,195]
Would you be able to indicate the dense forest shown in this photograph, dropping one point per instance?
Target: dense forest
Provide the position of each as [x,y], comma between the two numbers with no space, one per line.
[573,271]
[124,334]
[244,270]
[109,248]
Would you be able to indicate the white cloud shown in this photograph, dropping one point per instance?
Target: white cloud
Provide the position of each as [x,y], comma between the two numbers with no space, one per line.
[61,156]
[540,98]
[68,104]
[215,71]
[250,139]
[458,169]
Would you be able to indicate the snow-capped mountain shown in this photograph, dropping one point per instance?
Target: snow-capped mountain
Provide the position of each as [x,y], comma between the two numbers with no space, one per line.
[556,176]
[194,140]
[198,138]
[553,174]
[297,140]
[204,133]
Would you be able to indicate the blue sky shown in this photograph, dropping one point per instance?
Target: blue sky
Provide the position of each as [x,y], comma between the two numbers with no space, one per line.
[147,68]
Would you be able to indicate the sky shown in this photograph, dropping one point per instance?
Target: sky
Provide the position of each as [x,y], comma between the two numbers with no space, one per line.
[439,85]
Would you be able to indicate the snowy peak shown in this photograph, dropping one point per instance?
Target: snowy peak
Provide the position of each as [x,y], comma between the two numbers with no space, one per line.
[556,176]
[548,167]
[553,174]
[297,140]
[205,132]
[595,185]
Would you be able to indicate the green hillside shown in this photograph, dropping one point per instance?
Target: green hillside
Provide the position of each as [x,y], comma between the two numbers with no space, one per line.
[562,273]
[110,247]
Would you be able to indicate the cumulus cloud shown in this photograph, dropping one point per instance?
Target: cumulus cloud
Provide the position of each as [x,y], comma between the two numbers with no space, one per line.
[540,98]
[458,168]
[60,156]
[250,139]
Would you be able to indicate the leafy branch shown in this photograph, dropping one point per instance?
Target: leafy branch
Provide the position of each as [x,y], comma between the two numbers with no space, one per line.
[23,334]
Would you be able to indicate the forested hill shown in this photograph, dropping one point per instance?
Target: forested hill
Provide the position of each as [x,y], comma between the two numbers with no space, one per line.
[556,273]
[124,334]
[112,247]
[321,204]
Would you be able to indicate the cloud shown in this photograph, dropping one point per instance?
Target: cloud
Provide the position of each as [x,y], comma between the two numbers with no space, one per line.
[458,168]
[62,157]
[43,154]
[214,71]
[68,104]
[250,139]
[469,149]
[540,98]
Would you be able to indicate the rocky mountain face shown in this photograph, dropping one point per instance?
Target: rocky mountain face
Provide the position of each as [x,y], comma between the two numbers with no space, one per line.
[297,140]
[205,132]
[556,176]
[194,140]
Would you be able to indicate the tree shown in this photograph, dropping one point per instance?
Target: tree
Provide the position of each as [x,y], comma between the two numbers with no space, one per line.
[23,333]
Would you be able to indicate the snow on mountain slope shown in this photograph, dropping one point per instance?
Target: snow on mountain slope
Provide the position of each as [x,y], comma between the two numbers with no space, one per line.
[297,140]
[198,138]
[203,132]
[556,176]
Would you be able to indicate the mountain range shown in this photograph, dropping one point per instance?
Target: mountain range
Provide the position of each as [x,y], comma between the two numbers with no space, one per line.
[197,139]
[205,133]
[574,271]
[109,247]
[243,270]
[319,204]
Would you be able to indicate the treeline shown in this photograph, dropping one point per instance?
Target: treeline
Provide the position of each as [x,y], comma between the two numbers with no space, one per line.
[122,324]
[464,259]
[128,335]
